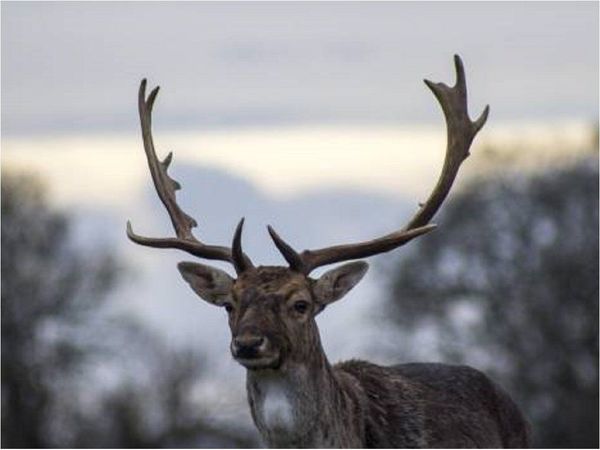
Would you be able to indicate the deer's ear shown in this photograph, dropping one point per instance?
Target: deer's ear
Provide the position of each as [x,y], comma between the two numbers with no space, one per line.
[336,283]
[210,283]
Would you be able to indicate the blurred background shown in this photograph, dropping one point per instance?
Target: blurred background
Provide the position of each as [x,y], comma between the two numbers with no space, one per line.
[311,117]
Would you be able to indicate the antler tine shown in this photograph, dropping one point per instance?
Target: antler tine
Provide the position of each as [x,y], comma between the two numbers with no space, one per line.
[291,256]
[240,261]
[166,188]
[460,134]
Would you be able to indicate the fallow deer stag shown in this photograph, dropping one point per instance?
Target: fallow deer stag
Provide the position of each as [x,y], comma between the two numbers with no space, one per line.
[297,398]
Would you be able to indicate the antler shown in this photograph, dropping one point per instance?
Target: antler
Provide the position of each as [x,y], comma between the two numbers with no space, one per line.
[461,132]
[165,188]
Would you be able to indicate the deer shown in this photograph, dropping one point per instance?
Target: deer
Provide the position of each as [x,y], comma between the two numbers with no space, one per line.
[297,398]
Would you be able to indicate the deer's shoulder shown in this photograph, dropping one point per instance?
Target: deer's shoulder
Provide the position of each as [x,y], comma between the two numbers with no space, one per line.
[393,414]
[434,405]
[420,378]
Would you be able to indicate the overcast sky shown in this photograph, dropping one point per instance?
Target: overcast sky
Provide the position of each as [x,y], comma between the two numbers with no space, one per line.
[75,66]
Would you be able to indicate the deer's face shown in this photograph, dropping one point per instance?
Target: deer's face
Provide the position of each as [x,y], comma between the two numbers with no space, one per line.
[272,310]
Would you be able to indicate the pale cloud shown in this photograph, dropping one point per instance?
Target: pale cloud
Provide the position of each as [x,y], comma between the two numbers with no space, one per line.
[111,169]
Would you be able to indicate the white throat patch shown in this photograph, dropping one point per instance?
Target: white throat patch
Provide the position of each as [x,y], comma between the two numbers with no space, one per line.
[276,408]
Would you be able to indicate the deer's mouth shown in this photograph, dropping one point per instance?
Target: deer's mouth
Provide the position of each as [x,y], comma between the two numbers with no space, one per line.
[259,362]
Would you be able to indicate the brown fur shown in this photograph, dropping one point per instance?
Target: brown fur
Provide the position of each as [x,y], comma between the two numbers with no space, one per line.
[297,399]
[356,403]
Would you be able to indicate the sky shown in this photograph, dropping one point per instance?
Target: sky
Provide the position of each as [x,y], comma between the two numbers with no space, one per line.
[293,96]
[75,66]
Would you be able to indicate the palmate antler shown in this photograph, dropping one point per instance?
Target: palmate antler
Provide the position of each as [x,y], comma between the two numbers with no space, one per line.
[165,188]
[461,132]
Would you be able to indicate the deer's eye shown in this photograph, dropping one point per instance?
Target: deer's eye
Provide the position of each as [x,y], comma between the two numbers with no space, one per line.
[228,307]
[301,306]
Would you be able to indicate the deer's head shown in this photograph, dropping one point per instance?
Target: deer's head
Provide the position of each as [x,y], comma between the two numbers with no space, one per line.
[272,309]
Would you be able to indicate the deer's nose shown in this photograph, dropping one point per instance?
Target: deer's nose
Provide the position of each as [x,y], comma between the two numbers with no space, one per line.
[247,345]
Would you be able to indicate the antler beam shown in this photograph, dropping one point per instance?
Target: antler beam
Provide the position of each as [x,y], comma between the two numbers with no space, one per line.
[166,188]
[460,134]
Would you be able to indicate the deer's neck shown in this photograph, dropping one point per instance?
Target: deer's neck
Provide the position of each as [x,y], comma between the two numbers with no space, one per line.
[303,405]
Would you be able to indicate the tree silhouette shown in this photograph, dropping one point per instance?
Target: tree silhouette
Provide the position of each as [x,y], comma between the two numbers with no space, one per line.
[510,285]
[48,291]
[159,412]
[56,334]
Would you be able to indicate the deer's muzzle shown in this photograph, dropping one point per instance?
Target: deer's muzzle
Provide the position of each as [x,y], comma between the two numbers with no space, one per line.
[253,351]
[248,346]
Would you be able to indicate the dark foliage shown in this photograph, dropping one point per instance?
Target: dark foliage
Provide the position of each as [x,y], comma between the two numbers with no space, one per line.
[509,284]
[154,405]
[59,340]
[48,290]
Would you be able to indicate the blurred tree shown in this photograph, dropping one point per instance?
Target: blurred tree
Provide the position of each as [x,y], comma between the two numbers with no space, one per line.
[510,285]
[48,290]
[160,409]
[57,337]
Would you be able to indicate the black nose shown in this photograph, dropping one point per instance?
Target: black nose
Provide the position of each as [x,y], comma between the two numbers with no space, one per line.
[247,345]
